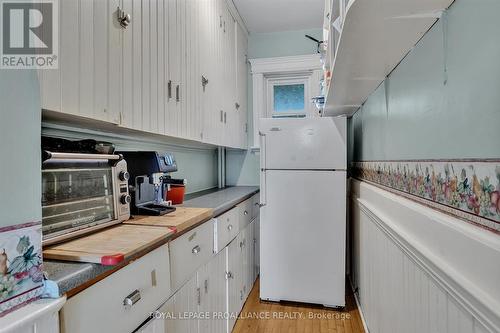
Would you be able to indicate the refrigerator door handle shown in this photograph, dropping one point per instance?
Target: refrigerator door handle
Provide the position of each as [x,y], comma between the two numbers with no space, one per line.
[263,189]
[263,199]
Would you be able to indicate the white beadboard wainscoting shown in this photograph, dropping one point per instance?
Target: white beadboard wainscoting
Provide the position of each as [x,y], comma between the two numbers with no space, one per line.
[419,270]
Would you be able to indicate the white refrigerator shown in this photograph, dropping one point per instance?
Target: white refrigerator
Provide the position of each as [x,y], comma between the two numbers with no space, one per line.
[303,210]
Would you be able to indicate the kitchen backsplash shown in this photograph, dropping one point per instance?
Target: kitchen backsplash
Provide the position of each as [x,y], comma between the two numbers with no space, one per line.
[197,164]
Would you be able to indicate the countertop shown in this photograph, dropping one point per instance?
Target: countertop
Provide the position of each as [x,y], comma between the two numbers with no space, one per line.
[220,200]
[73,277]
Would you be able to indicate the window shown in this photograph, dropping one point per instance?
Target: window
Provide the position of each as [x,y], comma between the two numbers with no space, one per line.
[287,97]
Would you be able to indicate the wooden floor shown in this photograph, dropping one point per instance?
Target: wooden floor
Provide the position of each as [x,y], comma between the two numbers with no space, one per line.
[268,317]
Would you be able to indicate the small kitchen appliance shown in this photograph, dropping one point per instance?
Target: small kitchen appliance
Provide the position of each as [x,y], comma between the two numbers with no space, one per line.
[82,193]
[149,174]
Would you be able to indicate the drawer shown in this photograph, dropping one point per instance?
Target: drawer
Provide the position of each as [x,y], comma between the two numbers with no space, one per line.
[226,227]
[190,251]
[255,206]
[147,279]
[245,213]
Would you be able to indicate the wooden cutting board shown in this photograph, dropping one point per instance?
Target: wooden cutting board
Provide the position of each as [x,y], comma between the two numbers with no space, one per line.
[109,246]
[181,219]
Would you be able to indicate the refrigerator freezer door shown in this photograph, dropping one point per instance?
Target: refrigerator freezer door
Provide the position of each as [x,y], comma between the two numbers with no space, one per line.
[303,232]
[304,143]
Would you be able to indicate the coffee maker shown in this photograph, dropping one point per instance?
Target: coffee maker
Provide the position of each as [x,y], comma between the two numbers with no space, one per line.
[148,172]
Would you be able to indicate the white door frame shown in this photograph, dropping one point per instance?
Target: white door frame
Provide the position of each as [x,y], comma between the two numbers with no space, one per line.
[265,69]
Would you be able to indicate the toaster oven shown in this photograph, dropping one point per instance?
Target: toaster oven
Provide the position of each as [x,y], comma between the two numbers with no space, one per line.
[82,193]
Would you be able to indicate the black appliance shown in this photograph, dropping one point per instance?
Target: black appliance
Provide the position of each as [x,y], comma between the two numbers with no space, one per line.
[149,171]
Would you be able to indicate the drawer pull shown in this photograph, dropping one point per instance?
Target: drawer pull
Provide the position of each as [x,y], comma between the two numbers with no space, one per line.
[230,227]
[196,249]
[245,213]
[229,275]
[133,298]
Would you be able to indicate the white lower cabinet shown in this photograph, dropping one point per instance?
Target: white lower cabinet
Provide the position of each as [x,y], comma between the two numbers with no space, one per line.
[204,292]
[180,310]
[212,298]
[189,252]
[234,281]
[212,284]
[248,258]
[123,300]
[256,236]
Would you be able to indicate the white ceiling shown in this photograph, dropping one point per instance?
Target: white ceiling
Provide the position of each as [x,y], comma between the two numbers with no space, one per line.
[281,15]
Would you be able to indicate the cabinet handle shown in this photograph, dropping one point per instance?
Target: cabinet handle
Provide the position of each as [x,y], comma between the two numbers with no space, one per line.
[245,213]
[206,286]
[123,18]
[169,89]
[220,21]
[221,116]
[196,249]
[230,227]
[133,298]
[229,275]
[204,82]
[225,117]
[237,105]
[177,93]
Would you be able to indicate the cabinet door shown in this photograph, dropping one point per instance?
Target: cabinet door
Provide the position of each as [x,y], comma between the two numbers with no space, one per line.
[256,247]
[234,282]
[213,294]
[193,77]
[178,308]
[241,85]
[172,119]
[229,82]
[246,246]
[143,87]
[88,80]
[208,30]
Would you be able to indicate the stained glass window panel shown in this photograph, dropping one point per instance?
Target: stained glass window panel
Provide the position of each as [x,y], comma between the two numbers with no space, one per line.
[289,98]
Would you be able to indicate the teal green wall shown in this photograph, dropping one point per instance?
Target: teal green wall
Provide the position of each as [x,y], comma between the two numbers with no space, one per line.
[443,100]
[20,193]
[280,44]
[196,164]
[242,167]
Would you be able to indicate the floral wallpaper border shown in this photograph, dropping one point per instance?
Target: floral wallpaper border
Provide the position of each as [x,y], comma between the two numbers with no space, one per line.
[467,189]
[21,275]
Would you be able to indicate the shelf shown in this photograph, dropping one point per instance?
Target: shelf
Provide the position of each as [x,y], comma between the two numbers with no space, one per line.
[376,36]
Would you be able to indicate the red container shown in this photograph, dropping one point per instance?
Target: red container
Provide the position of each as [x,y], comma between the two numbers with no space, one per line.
[176,194]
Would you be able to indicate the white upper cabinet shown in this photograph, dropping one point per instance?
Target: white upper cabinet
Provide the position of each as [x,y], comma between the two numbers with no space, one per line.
[241,86]
[177,69]
[88,81]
